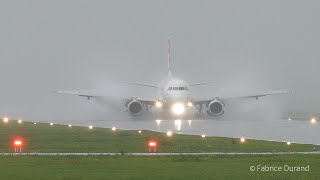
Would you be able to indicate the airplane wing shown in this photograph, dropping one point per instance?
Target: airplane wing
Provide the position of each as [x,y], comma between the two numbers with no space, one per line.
[199,83]
[143,84]
[143,101]
[256,96]
[89,95]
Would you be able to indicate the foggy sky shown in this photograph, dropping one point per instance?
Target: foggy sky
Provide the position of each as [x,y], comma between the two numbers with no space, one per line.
[242,46]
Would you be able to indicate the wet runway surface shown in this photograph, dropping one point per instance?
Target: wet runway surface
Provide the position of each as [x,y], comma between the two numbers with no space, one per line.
[295,131]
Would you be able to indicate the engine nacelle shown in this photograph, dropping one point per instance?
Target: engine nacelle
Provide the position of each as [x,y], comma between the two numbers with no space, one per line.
[135,107]
[215,108]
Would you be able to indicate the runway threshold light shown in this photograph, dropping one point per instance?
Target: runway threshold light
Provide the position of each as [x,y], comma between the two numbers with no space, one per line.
[152,145]
[17,144]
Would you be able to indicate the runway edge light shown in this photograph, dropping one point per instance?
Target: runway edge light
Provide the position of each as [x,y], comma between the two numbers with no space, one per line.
[5,120]
[288,143]
[242,140]
[313,120]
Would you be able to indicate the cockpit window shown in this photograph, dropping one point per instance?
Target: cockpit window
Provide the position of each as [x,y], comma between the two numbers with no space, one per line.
[178,89]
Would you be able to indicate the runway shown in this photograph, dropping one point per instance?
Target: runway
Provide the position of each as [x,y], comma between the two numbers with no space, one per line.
[156,154]
[280,130]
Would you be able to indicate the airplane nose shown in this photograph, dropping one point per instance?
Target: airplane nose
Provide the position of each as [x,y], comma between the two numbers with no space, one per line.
[178,97]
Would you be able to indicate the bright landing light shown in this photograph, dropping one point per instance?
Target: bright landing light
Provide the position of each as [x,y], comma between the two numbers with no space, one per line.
[51,124]
[19,121]
[70,125]
[90,127]
[5,120]
[190,104]
[242,140]
[17,143]
[158,104]
[169,133]
[289,143]
[313,120]
[203,135]
[114,128]
[178,108]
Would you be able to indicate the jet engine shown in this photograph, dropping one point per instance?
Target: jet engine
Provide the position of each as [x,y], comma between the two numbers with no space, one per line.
[215,108]
[135,107]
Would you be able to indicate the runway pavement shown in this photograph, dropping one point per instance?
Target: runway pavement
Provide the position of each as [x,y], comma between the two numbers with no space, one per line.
[156,154]
[282,130]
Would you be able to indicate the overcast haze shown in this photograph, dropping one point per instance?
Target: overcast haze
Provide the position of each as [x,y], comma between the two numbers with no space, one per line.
[242,46]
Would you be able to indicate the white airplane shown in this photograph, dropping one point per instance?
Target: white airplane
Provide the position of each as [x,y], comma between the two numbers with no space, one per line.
[174,97]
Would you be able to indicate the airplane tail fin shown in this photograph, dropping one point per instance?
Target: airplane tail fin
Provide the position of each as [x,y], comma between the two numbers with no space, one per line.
[169,58]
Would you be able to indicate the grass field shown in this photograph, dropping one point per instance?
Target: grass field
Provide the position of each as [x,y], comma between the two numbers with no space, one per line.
[60,138]
[177,167]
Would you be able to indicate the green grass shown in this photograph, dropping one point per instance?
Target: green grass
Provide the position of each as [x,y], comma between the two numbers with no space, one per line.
[133,167]
[60,138]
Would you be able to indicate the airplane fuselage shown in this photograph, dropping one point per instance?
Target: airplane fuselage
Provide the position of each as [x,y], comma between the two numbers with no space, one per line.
[175,91]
